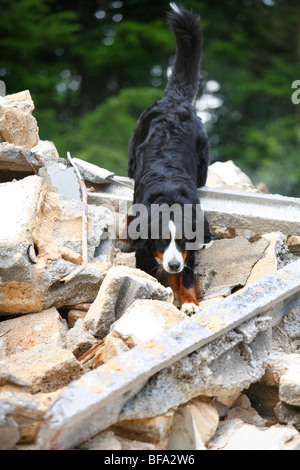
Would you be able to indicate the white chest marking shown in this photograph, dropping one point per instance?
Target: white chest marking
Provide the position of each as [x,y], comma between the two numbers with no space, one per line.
[172,255]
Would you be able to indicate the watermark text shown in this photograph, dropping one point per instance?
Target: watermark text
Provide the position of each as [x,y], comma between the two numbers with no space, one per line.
[296,94]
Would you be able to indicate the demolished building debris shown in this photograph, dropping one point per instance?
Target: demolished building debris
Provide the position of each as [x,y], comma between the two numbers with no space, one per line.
[107,360]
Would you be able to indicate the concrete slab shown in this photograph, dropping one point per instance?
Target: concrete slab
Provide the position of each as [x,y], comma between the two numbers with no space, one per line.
[11,158]
[262,213]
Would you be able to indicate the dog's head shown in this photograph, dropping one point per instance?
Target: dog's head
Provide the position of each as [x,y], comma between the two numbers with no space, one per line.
[169,236]
[170,250]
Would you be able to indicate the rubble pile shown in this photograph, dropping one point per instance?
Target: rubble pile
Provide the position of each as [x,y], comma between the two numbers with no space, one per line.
[77,321]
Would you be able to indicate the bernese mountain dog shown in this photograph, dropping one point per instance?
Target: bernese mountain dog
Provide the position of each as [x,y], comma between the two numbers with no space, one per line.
[168,160]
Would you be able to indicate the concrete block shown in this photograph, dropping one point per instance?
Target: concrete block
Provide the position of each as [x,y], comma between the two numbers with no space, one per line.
[288,414]
[231,208]
[17,125]
[47,368]
[234,434]
[121,287]
[74,315]
[33,330]
[79,340]
[146,319]
[125,259]
[276,256]
[38,232]
[12,161]
[18,215]
[61,179]
[11,383]
[242,409]
[223,367]
[263,213]
[153,430]
[289,389]
[46,149]
[27,412]
[291,324]
[194,424]
[143,320]
[93,173]
[226,264]
[9,430]
[228,176]
[112,347]
[278,365]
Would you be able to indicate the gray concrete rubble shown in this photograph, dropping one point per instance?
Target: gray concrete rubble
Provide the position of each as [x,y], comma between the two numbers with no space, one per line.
[115,391]
[141,321]
[247,261]
[119,289]
[93,173]
[24,413]
[235,434]
[41,242]
[228,176]
[14,162]
[17,124]
[61,179]
[96,354]
[261,213]
[242,257]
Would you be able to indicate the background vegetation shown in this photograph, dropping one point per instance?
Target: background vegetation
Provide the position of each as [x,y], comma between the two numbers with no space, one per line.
[92,66]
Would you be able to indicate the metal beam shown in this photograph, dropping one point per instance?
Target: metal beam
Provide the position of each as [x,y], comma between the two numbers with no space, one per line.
[262,213]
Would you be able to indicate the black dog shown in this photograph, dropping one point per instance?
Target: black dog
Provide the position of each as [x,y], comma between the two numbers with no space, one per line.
[168,159]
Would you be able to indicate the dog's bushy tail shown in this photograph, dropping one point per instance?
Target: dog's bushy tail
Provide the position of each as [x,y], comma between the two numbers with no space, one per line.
[186,69]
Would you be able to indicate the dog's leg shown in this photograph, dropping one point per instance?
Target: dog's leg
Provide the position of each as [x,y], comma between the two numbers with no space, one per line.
[187,295]
[188,298]
[174,283]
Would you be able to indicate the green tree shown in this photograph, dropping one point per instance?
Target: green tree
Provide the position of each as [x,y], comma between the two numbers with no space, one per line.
[252,51]
[102,135]
[33,38]
[92,66]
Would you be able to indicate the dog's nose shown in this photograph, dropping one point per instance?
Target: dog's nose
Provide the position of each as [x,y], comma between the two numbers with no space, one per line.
[174,265]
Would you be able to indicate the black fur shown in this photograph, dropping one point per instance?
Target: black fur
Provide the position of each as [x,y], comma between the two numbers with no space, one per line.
[169,149]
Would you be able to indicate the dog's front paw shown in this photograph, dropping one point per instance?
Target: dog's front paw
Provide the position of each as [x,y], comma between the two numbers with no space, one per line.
[190,308]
